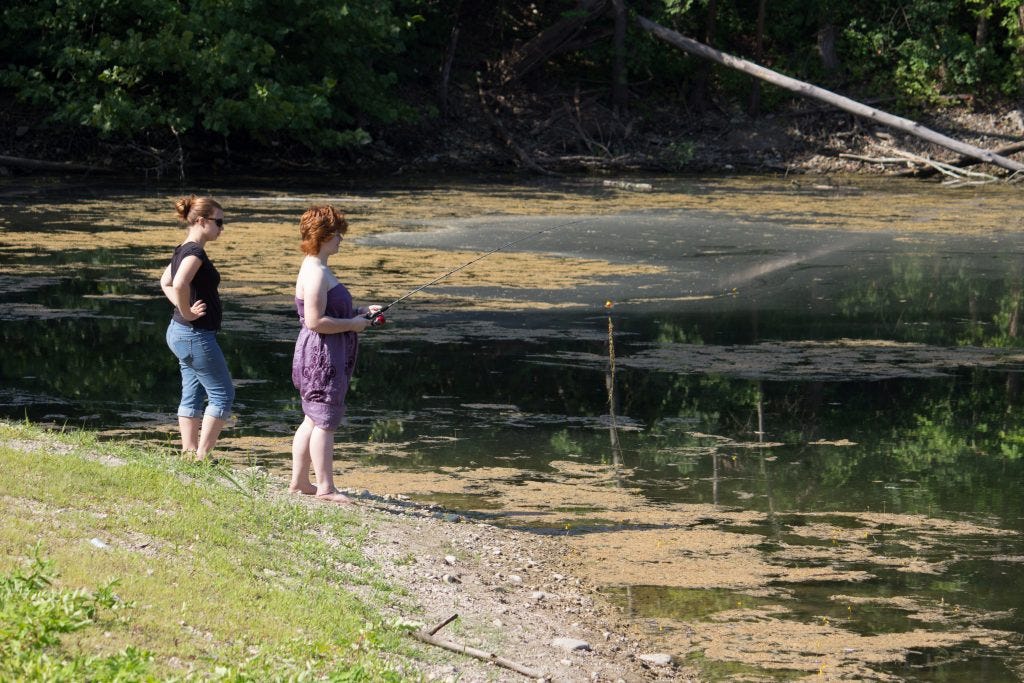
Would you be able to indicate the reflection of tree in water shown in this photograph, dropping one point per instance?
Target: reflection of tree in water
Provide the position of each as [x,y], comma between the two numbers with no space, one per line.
[613,428]
[922,299]
[945,443]
[762,462]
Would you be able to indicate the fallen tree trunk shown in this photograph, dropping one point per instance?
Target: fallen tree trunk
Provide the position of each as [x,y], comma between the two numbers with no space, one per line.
[806,89]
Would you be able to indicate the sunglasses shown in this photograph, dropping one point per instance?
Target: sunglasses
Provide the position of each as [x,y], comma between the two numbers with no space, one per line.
[218,221]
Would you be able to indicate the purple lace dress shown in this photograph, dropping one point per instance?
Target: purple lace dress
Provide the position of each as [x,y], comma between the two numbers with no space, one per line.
[323,363]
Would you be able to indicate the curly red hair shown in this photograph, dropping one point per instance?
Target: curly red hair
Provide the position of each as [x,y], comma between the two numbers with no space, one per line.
[319,224]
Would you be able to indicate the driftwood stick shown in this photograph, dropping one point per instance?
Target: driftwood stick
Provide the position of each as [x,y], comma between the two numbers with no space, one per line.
[944,168]
[807,90]
[443,624]
[479,654]
[964,161]
[875,160]
[956,182]
[934,165]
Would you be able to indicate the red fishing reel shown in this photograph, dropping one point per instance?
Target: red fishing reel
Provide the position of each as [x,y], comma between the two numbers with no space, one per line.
[375,314]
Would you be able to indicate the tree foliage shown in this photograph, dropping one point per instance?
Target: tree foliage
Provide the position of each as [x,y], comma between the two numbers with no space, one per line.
[313,71]
[327,73]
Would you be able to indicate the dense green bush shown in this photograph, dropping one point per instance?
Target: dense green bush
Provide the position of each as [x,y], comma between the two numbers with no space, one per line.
[304,70]
[923,51]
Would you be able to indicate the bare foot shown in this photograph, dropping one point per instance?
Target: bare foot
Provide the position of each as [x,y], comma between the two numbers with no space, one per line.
[334,496]
[307,490]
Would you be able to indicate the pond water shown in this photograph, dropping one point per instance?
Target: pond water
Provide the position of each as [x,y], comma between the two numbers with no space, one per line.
[779,422]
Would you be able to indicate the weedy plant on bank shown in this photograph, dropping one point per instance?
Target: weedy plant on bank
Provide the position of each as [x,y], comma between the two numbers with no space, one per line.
[34,614]
[126,564]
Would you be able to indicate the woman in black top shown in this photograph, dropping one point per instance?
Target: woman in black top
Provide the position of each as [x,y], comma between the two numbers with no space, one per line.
[190,282]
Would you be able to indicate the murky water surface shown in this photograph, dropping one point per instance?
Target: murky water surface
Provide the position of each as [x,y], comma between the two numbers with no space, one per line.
[791,446]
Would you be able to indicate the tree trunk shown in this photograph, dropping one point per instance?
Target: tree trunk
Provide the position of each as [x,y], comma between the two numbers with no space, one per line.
[446,71]
[1020,28]
[827,48]
[807,90]
[620,91]
[981,29]
[699,94]
[755,90]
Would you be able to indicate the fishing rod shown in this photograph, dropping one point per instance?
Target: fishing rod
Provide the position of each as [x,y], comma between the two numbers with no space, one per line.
[376,315]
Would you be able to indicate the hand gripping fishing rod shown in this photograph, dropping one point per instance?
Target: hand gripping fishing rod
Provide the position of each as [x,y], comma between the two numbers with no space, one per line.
[376,315]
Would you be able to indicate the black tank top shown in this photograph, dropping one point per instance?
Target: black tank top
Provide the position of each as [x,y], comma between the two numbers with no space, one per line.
[203,286]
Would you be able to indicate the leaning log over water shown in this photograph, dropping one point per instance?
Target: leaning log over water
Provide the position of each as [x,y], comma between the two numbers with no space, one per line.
[806,89]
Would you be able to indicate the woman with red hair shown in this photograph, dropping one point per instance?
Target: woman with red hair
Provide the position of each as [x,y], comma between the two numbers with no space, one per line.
[325,352]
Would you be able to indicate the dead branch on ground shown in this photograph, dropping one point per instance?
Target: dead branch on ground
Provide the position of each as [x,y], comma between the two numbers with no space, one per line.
[443,624]
[497,660]
[946,169]
[956,175]
[964,161]
[39,165]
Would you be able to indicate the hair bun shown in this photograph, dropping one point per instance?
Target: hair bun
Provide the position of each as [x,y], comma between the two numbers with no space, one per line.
[184,206]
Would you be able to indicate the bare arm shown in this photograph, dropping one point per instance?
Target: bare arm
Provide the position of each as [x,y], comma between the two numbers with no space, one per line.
[314,295]
[165,284]
[176,289]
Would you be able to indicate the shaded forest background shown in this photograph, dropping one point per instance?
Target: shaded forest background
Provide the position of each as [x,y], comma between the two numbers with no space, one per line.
[175,88]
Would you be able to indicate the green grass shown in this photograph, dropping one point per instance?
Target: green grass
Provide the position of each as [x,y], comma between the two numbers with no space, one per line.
[214,577]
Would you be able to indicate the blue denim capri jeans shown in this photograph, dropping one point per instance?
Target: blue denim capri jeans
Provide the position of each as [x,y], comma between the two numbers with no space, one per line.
[205,380]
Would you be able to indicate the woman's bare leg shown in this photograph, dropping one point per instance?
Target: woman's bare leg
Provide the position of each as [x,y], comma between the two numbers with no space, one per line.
[189,428]
[321,453]
[301,460]
[208,436]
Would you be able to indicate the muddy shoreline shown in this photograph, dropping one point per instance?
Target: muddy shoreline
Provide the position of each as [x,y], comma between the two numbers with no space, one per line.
[801,138]
[516,595]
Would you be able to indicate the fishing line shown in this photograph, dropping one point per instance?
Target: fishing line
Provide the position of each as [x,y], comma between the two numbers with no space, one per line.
[377,316]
